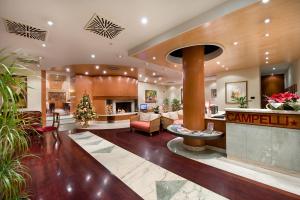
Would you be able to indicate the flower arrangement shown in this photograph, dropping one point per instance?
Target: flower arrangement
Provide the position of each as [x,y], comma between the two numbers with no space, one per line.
[284,101]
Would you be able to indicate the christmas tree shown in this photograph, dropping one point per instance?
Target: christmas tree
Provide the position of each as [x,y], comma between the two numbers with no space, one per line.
[84,111]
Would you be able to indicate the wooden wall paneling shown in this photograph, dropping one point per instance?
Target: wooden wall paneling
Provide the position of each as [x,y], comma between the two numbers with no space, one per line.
[43,96]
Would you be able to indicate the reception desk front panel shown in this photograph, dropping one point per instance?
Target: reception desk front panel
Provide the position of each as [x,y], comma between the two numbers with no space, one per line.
[264,138]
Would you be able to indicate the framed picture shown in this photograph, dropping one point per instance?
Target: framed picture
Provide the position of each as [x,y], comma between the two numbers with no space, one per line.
[150,96]
[235,89]
[22,94]
[213,93]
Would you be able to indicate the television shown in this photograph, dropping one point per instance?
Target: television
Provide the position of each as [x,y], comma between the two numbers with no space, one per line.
[143,106]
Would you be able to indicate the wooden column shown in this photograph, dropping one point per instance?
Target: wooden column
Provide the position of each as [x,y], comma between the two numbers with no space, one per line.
[43,96]
[193,92]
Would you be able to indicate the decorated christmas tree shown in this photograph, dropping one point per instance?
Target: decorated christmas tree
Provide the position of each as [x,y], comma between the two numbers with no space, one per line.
[84,111]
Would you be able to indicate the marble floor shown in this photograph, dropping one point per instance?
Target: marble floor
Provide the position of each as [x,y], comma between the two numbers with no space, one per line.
[147,179]
[290,183]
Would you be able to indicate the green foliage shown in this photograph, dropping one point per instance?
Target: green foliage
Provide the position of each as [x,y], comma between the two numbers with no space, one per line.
[156,109]
[242,101]
[175,105]
[13,137]
[84,111]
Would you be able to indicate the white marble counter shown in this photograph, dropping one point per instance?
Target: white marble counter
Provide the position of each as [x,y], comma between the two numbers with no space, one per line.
[253,110]
[211,117]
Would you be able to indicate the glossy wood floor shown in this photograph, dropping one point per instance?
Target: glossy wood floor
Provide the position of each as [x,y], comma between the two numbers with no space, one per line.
[65,171]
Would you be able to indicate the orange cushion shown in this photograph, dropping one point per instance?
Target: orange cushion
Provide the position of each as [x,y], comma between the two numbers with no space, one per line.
[140,125]
[178,121]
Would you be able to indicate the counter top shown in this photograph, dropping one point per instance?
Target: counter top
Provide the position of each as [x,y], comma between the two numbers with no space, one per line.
[252,110]
[211,117]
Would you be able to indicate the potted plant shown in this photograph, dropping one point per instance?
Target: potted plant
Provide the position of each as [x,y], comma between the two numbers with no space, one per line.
[242,101]
[84,111]
[175,105]
[13,137]
[284,101]
[156,109]
[166,105]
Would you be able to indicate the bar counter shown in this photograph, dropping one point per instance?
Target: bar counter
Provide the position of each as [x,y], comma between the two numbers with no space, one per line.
[269,138]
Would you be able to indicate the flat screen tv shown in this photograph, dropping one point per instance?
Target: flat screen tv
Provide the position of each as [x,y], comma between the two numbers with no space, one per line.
[143,106]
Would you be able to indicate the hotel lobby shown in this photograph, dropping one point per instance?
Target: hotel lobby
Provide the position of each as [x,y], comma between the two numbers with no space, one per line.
[155,100]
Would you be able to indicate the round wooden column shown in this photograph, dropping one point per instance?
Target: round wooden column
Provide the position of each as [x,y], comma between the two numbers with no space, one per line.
[193,92]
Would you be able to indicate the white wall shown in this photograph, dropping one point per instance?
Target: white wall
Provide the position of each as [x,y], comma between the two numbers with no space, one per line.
[161,93]
[252,75]
[173,92]
[208,86]
[292,76]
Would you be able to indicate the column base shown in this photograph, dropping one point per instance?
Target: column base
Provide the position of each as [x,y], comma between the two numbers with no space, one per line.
[193,144]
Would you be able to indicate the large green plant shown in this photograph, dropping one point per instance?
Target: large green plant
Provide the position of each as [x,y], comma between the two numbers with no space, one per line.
[13,138]
[175,105]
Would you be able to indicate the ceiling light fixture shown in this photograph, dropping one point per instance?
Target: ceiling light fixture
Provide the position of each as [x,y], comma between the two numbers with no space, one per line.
[268,20]
[93,56]
[175,65]
[159,78]
[140,75]
[154,58]
[227,69]
[153,73]
[86,73]
[267,53]
[235,43]
[125,73]
[104,72]
[97,67]
[267,34]
[274,68]
[50,23]
[155,81]
[144,20]
[131,69]
[44,45]
[218,62]
[267,58]
[40,57]
[265,1]
[67,69]
[120,56]
[223,66]
[267,62]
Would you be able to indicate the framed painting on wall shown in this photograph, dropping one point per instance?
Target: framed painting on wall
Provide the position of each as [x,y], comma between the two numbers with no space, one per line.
[234,90]
[213,93]
[150,96]
[22,95]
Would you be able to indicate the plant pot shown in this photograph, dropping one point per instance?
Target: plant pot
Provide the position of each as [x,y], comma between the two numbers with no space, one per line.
[275,106]
[85,124]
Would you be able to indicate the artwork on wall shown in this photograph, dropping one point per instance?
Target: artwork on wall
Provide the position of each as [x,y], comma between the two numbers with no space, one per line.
[150,96]
[235,89]
[22,95]
[213,93]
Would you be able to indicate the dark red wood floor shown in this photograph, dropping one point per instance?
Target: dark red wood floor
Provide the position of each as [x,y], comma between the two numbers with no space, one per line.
[66,171]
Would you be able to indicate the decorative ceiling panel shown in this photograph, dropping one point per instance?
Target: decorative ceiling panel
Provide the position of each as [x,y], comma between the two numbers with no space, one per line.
[25,30]
[103,27]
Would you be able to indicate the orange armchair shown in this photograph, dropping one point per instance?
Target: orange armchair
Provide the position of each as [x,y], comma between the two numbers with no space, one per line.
[146,122]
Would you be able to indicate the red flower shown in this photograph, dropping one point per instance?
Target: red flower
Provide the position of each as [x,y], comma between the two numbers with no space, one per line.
[283,97]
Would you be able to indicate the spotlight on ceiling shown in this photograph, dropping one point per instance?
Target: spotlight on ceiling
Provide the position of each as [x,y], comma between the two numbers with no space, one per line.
[44,45]
[153,73]
[140,75]
[268,20]
[265,1]
[218,62]
[154,58]
[68,69]
[125,73]
[267,34]
[50,23]
[235,43]
[104,72]
[155,81]
[144,20]
[93,56]
[274,68]
[97,67]
[131,69]
[267,53]
[86,73]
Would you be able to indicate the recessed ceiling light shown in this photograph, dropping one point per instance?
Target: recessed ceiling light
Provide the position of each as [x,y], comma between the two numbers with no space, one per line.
[120,56]
[93,56]
[97,67]
[235,43]
[131,69]
[140,75]
[268,20]
[44,45]
[267,62]
[274,68]
[159,78]
[267,53]
[38,65]
[223,66]
[175,65]
[50,23]
[267,58]
[154,58]
[218,62]
[86,73]
[104,72]
[265,1]
[153,73]
[146,80]
[40,57]
[227,69]
[155,81]
[144,20]
[267,34]
[67,69]
[125,73]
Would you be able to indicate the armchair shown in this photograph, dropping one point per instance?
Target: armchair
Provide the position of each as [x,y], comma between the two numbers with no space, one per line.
[171,118]
[146,122]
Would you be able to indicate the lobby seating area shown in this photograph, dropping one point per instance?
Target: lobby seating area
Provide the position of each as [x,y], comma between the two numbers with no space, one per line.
[152,99]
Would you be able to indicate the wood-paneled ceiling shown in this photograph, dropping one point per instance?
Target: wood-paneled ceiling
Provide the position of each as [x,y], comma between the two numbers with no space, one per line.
[246,27]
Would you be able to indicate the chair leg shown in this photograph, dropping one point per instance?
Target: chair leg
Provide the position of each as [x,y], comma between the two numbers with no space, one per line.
[53,134]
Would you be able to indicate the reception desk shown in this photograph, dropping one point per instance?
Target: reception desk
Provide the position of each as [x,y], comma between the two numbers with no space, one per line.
[264,137]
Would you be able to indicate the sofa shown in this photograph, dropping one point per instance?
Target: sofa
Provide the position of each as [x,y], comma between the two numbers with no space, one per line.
[145,122]
[169,118]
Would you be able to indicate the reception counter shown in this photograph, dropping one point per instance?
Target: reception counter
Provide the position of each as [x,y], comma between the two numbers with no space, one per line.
[264,137]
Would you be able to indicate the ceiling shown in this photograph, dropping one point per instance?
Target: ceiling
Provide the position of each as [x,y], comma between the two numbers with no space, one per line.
[246,27]
[68,43]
